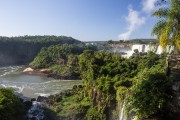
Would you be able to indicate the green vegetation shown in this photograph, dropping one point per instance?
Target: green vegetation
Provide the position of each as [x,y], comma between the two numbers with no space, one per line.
[150,93]
[134,41]
[10,106]
[110,80]
[61,61]
[23,49]
[168,27]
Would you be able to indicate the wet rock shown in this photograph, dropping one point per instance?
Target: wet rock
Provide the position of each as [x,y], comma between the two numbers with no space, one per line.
[59,99]
[42,99]
[28,70]
[33,99]
[36,112]
[75,87]
[80,86]
[28,105]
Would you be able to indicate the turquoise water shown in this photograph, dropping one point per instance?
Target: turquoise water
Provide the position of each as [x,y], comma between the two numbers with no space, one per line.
[31,85]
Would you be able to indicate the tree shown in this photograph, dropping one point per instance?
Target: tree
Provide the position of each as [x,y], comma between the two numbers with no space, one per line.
[10,106]
[150,93]
[167,28]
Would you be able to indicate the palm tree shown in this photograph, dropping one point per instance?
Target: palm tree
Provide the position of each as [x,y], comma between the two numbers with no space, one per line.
[167,29]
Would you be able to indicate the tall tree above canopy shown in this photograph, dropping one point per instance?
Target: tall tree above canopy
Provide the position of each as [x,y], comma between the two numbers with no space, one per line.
[167,29]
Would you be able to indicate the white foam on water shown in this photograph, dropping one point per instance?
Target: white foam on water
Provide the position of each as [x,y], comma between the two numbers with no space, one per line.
[44,82]
[32,86]
[6,73]
[3,85]
[9,70]
[43,94]
[15,87]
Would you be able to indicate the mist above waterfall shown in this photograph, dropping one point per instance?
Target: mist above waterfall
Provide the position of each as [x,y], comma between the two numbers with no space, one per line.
[128,49]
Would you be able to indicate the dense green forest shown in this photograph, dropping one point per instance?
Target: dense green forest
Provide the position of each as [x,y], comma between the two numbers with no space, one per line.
[138,88]
[23,49]
[61,61]
[109,81]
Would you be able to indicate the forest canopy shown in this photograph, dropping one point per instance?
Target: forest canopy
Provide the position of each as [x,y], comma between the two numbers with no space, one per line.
[23,49]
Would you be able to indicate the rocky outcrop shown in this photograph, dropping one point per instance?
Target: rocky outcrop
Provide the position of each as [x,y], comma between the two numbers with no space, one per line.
[40,72]
[28,70]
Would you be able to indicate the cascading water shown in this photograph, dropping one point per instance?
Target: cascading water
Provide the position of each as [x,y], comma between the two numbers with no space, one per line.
[121,114]
[159,50]
[36,112]
[143,48]
[139,47]
[29,86]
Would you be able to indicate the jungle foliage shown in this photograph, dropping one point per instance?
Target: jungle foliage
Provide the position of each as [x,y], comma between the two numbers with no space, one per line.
[23,49]
[110,80]
[167,29]
[10,106]
[61,61]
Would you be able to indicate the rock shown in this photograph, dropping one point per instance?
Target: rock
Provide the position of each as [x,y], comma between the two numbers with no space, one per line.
[28,70]
[33,99]
[75,87]
[45,71]
[42,99]
[28,105]
[59,99]
[80,86]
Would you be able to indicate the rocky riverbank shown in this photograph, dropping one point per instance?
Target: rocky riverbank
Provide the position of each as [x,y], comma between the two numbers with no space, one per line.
[39,72]
[42,108]
[48,73]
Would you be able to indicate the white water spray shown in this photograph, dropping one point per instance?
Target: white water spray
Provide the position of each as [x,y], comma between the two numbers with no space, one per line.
[121,115]
[36,112]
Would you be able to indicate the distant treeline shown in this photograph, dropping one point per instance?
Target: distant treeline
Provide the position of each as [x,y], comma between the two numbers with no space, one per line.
[23,49]
[134,41]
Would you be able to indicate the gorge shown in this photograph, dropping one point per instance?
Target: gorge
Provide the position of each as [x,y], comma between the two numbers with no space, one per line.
[111,86]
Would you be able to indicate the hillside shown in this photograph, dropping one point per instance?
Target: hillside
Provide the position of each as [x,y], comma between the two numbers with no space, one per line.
[23,49]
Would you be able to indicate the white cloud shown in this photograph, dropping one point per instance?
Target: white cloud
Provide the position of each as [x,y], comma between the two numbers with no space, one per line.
[148,5]
[134,20]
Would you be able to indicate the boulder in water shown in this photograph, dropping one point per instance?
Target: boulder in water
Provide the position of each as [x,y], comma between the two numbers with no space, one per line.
[41,99]
[33,99]
[28,70]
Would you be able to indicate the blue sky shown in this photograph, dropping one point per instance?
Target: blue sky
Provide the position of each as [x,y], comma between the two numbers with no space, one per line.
[86,20]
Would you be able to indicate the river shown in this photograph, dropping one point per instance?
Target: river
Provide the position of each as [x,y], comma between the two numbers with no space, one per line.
[30,85]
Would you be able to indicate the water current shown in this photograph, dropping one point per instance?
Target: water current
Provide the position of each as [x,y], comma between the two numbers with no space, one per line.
[30,85]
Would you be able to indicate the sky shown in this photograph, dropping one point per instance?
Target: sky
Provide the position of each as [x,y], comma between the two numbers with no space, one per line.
[85,20]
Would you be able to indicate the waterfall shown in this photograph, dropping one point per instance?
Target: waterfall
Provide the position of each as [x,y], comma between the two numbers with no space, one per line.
[147,48]
[159,50]
[152,48]
[138,47]
[36,111]
[121,115]
[169,49]
[143,48]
